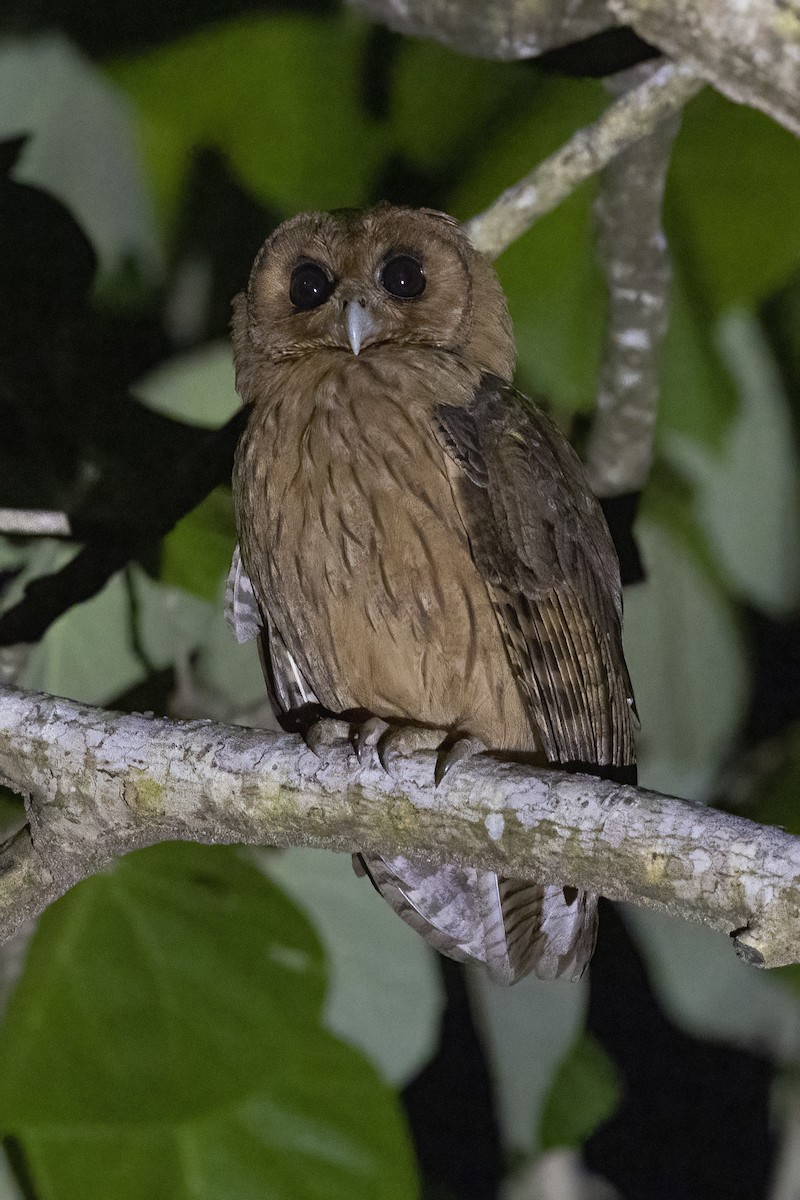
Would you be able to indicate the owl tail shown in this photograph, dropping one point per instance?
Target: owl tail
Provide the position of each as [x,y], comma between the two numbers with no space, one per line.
[511,925]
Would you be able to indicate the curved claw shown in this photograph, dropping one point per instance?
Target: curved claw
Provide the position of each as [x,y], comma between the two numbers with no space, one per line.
[324,733]
[368,735]
[464,748]
[401,740]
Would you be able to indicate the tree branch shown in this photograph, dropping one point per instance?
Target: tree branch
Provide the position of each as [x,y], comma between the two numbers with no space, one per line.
[505,29]
[100,784]
[34,522]
[635,115]
[635,259]
[750,50]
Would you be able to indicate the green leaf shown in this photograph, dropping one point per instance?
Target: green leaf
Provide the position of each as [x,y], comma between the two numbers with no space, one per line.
[585,1093]
[554,286]
[685,654]
[733,202]
[169,623]
[443,103]
[278,95]
[698,397]
[164,1042]
[746,491]
[197,387]
[385,994]
[196,554]
[527,1030]
[82,147]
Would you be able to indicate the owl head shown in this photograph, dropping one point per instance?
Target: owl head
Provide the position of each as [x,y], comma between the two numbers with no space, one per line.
[361,282]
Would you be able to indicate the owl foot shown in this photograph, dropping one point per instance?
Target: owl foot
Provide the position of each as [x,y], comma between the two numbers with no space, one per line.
[449,758]
[367,736]
[401,740]
[392,743]
[398,741]
[325,732]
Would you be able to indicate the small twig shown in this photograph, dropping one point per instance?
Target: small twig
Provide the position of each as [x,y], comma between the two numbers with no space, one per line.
[34,522]
[100,784]
[624,122]
[635,259]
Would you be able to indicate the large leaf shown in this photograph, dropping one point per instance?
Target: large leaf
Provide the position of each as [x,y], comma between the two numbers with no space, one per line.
[196,387]
[196,554]
[698,397]
[685,655]
[747,492]
[82,146]
[585,1092]
[100,648]
[165,1042]
[441,102]
[278,95]
[711,993]
[385,994]
[553,284]
[733,204]
[527,1031]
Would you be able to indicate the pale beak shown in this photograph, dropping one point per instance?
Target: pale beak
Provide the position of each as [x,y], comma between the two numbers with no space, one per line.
[359,323]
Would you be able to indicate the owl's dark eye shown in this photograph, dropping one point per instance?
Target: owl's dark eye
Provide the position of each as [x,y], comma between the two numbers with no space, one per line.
[403,277]
[310,286]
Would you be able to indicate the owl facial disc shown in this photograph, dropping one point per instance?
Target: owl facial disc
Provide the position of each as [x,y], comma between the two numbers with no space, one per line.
[359,323]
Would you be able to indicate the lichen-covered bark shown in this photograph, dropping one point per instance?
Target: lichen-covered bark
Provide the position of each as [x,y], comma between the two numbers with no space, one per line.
[635,259]
[633,116]
[493,28]
[749,50]
[100,784]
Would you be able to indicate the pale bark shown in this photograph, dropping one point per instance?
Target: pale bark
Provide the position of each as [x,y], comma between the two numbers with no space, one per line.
[493,28]
[749,51]
[635,259]
[34,522]
[100,784]
[635,115]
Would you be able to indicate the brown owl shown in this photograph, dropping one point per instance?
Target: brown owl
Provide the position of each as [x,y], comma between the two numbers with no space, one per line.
[423,552]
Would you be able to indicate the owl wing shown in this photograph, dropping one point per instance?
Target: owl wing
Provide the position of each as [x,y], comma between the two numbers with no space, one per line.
[540,540]
[289,693]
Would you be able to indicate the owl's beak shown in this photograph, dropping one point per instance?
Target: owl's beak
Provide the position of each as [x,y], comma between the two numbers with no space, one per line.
[359,323]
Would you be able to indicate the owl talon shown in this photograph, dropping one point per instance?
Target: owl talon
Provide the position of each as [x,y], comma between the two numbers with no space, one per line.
[401,740]
[465,747]
[324,733]
[367,736]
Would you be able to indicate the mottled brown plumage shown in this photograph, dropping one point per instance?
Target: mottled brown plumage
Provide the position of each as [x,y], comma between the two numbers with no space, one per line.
[420,541]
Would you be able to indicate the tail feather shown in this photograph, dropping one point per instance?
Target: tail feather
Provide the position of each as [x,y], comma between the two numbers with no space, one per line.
[512,926]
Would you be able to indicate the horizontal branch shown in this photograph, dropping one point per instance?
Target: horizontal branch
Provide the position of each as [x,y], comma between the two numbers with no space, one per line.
[101,784]
[34,522]
[636,114]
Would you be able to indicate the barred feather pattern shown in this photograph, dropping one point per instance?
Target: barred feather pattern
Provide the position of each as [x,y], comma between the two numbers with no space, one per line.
[419,542]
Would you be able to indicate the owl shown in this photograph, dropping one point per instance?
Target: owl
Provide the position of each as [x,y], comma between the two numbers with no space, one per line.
[419,551]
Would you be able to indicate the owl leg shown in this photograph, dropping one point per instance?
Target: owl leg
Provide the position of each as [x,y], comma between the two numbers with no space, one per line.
[401,740]
[325,732]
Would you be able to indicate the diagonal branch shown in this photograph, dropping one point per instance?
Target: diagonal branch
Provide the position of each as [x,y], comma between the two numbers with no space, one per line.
[633,116]
[100,784]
